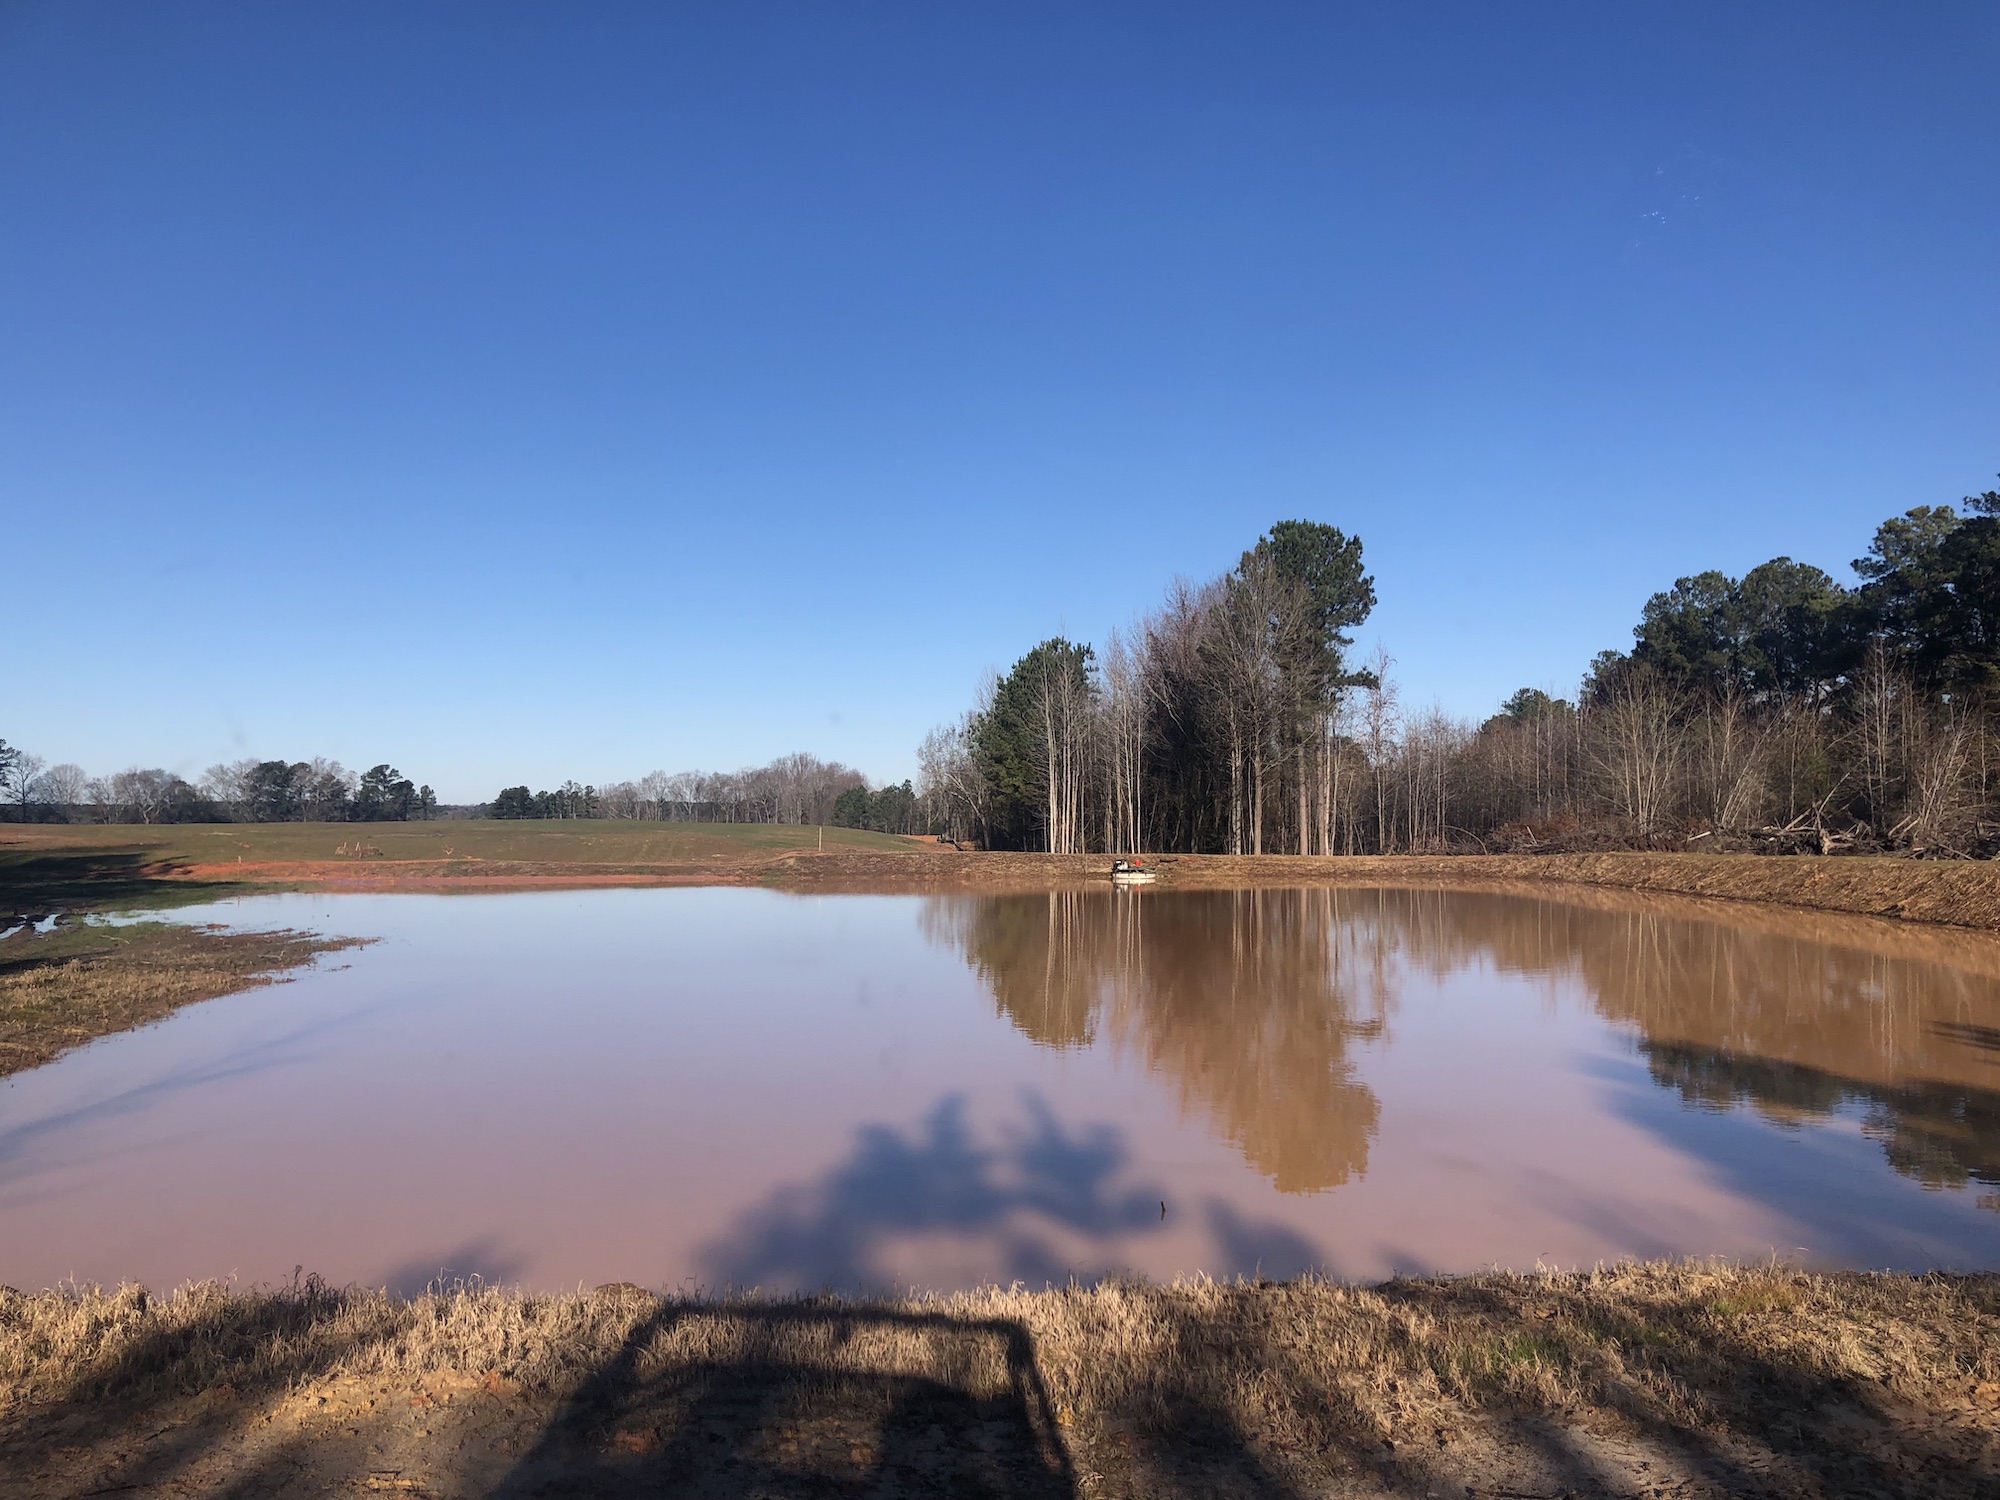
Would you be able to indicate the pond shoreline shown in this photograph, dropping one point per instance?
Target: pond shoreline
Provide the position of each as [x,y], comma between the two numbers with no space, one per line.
[1945,893]
[1960,894]
[1688,1379]
[97,866]
[81,982]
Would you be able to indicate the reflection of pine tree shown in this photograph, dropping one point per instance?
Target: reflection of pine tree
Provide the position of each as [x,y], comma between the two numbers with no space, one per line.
[1941,1134]
[1793,1015]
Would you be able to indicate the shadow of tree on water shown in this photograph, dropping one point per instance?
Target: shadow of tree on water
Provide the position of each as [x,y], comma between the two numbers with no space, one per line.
[936,1179]
[480,1262]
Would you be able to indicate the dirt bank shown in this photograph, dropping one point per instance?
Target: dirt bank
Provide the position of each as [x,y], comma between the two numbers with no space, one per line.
[1663,1380]
[44,865]
[1961,894]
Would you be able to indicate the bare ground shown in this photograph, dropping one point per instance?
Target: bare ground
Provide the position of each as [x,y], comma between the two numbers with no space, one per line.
[1640,1381]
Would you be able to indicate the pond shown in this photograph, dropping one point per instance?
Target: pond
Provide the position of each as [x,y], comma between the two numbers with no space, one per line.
[712,1088]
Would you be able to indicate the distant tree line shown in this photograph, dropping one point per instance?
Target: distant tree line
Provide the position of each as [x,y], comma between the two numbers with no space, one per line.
[249,791]
[1778,711]
[1781,710]
[567,801]
[792,789]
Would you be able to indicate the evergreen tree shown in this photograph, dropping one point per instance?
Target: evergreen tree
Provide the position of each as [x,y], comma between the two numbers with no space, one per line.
[514,802]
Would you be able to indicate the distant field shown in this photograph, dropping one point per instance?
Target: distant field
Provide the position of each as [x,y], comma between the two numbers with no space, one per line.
[81,866]
[551,841]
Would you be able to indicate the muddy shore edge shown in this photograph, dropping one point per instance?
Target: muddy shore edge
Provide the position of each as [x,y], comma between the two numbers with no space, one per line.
[100,866]
[1957,893]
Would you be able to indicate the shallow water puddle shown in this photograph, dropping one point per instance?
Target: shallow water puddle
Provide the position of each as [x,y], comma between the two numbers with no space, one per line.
[739,1087]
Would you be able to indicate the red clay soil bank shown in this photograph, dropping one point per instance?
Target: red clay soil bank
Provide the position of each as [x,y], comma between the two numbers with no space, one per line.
[441,875]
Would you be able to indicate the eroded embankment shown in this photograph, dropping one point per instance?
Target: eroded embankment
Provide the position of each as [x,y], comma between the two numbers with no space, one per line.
[1644,1380]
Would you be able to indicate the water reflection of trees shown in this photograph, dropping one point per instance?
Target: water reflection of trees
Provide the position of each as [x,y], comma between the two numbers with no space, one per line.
[1249,1000]
[1797,1024]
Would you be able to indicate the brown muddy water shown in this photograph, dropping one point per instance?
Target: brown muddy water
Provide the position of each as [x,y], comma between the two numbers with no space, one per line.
[716,1088]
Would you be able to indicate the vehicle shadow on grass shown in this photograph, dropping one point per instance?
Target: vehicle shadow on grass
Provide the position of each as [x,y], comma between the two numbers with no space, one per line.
[805,1398]
[660,1396]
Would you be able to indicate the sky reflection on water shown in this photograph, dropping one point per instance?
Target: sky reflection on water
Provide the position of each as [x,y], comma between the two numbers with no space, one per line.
[739,1087]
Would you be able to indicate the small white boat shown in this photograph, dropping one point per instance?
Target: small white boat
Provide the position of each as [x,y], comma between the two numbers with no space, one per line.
[1131,872]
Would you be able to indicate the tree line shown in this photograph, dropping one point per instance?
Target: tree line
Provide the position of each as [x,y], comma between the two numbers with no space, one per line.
[889,809]
[800,788]
[249,791]
[1782,710]
[1215,724]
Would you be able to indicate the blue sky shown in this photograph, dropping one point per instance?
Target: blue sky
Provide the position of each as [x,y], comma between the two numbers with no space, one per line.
[516,392]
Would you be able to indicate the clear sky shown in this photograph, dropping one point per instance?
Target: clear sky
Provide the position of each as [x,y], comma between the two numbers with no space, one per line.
[515,392]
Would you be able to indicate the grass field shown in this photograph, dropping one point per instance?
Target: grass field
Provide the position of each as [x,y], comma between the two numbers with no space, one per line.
[551,841]
[1666,1380]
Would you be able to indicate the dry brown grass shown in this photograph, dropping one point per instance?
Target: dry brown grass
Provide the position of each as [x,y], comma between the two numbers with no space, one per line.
[64,989]
[1652,1379]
